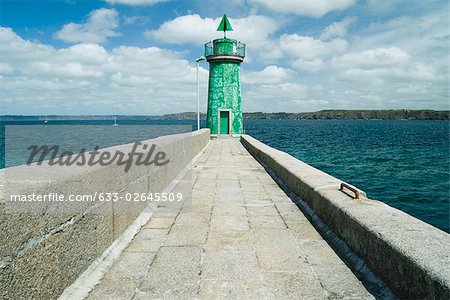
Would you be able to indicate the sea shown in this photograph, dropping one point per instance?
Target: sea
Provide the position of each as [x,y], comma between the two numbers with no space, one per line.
[403,163]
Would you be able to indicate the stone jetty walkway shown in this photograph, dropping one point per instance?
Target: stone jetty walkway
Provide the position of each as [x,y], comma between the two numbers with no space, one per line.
[243,238]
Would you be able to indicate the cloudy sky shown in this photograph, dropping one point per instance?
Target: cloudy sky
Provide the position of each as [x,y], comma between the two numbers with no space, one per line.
[138,56]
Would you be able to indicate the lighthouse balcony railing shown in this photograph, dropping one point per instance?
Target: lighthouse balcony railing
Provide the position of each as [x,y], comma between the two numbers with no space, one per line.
[236,48]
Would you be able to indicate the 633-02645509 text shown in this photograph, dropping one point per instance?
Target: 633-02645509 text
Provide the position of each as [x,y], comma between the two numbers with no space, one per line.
[102,197]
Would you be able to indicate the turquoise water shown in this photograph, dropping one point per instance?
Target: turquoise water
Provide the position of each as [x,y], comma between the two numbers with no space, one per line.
[402,163]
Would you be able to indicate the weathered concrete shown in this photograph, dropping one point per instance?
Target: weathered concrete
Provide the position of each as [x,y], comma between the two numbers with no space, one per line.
[44,248]
[411,257]
[240,238]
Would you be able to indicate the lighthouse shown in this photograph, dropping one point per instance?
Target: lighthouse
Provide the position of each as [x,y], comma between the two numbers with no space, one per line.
[224,55]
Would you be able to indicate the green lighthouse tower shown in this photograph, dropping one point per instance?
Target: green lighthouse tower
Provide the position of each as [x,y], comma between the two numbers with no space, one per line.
[224,115]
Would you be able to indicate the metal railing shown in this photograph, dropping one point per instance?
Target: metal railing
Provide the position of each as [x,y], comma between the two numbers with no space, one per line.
[238,49]
[209,49]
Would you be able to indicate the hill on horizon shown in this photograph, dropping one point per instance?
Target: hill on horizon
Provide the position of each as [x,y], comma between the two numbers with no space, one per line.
[336,114]
[330,114]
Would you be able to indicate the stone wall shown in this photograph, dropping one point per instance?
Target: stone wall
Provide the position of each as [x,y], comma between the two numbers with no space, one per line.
[45,247]
[410,256]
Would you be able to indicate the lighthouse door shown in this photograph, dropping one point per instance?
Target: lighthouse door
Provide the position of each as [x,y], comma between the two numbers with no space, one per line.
[224,122]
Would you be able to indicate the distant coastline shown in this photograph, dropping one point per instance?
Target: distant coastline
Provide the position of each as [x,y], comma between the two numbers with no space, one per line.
[397,114]
[394,114]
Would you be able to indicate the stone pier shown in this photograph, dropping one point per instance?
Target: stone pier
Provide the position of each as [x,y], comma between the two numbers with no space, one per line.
[241,237]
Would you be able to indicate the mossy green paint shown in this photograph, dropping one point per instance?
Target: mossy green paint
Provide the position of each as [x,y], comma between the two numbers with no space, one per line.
[224,94]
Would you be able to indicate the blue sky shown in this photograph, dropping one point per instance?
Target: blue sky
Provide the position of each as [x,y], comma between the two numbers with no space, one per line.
[137,56]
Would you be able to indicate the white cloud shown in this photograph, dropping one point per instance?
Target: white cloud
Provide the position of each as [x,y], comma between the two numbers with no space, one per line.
[309,48]
[15,48]
[6,68]
[373,58]
[140,20]
[87,78]
[269,75]
[314,65]
[100,25]
[197,30]
[185,29]
[316,8]
[337,29]
[382,6]
[280,97]
[402,61]
[389,75]
[135,2]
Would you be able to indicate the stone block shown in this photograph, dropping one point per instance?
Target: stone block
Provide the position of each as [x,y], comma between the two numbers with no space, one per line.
[175,273]
[229,223]
[230,265]
[159,223]
[187,235]
[148,240]
[240,240]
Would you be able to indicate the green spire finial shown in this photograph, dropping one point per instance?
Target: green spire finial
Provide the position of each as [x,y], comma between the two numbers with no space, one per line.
[224,26]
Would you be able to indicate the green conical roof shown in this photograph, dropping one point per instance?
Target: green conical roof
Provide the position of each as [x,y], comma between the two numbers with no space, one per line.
[224,25]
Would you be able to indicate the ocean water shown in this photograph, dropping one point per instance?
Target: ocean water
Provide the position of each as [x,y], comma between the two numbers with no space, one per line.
[73,135]
[405,164]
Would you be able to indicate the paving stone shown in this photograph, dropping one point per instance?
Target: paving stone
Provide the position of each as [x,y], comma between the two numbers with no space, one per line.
[226,180]
[262,210]
[341,283]
[114,289]
[187,235]
[175,273]
[229,200]
[156,222]
[232,209]
[163,213]
[293,285]
[290,211]
[252,187]
[261,222]
[229,223]
[281,260]
[148,240]
[325,261]
[199,208]
[193,218]
[258,201]
[282,198]
[241,289]
[131,265]
[201,193]
[274,238]
[303,230]
[257,198]
[230,265]
[273,189]
[238,240]
[225,192]
[204,200]
[278,251]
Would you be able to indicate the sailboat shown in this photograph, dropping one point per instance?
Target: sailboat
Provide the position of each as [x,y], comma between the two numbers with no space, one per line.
[46,119]
[115,122]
